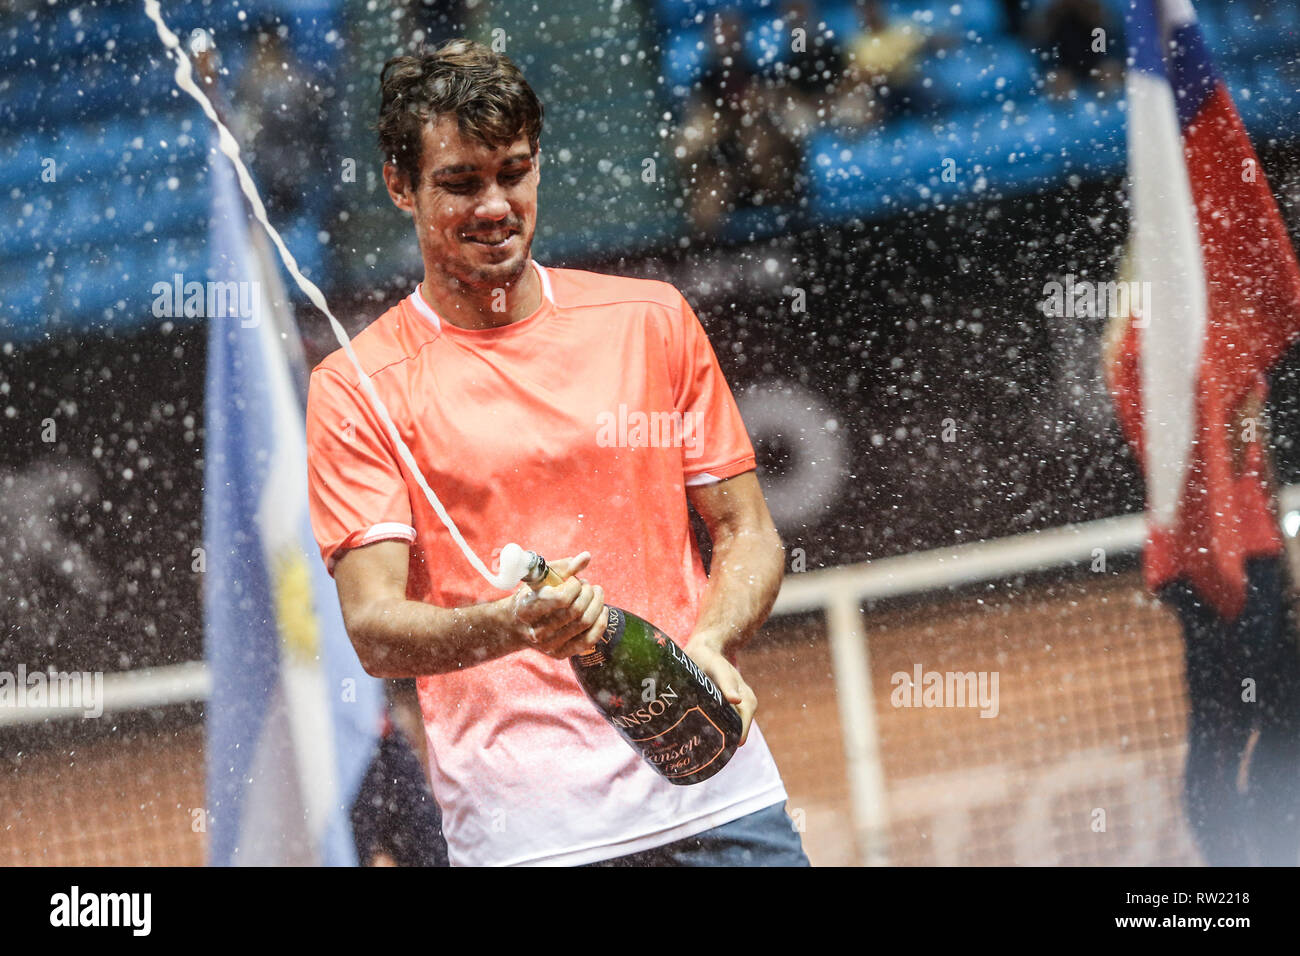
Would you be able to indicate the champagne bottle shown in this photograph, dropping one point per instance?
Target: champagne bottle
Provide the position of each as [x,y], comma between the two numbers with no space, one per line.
[654,695]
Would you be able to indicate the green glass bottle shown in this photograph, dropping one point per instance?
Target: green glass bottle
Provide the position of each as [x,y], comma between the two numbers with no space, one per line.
[653,694]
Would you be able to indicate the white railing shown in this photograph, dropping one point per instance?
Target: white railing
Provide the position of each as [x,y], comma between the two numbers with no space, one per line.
[840,592]
[126,691]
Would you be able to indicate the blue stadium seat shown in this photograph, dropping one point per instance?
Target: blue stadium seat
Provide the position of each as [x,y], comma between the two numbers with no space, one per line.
[975,73]
[20,105]
[832,172]
[1210,19]
[301,236]
[684,60]
[23,295]
[954,18]
[1246,38]
[997,149]
[45,99]
[680,14]
[767,42]
[30,217]
[1093,139]
[882,170]
[85,153]
[1273,101]
[841,18]
[58,34]
[20,162]
[673,14]
[956,78]
[914,147]
[91,288]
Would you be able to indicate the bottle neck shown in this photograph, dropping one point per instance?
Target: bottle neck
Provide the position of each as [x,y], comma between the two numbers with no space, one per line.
[540,574]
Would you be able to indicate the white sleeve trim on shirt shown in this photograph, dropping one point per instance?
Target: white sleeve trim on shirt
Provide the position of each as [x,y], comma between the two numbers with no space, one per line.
[703,478]
[388,529]
[384,531]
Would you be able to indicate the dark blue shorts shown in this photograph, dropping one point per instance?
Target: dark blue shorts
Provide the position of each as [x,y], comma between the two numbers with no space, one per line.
[766,837]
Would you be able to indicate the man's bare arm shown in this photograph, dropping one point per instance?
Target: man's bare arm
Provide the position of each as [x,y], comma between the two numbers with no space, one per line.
[396,637]
[748,561]
[744,579]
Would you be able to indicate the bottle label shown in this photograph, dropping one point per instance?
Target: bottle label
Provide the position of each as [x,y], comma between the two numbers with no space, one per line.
[615,621]
[681,657]
[687,747]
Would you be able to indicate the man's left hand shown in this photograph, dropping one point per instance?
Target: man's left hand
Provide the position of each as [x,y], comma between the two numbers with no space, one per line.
[705,652]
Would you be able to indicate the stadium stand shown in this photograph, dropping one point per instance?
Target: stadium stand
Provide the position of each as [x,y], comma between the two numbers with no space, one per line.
[987,107]
[103,166]
[87,88]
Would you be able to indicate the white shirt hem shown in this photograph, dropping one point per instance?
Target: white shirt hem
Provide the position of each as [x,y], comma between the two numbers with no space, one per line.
[770,795]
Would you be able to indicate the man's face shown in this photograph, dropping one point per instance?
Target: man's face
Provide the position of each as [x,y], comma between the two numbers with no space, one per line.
[475,208]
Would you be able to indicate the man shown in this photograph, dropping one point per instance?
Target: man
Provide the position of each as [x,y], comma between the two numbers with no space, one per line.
[500,375]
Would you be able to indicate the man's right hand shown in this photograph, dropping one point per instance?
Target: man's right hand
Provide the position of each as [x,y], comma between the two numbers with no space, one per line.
[398,637]
[562,620]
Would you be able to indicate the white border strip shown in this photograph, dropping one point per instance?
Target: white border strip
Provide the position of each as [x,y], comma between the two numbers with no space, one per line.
[961,564]
[129,690]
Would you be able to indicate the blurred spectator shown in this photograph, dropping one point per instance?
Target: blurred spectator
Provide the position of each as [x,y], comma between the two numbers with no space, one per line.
[430,21]
[1243,752]
[395,819]
[1243,721]
[1084,46]
[280,113]
[884,57]
[1015,14]
[441,19]
[731,145]
[806,84]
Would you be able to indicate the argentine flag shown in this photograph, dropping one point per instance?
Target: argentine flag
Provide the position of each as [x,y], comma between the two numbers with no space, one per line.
[293,720]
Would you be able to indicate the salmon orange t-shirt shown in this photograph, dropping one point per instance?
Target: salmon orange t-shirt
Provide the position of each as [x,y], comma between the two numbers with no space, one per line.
[575,429]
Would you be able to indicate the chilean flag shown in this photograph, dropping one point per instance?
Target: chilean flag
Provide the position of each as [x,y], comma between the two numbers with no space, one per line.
[1224,305]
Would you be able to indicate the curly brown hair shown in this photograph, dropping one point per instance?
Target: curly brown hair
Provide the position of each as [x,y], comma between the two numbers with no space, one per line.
[490,98]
